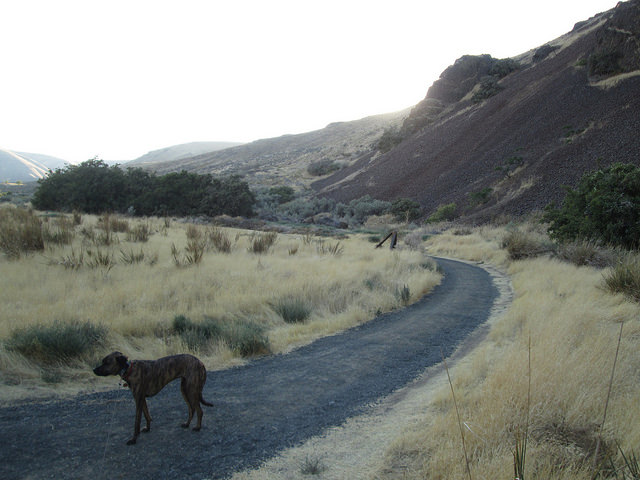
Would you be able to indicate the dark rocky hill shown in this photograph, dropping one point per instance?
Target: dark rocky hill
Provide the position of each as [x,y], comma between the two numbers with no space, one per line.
[504,136]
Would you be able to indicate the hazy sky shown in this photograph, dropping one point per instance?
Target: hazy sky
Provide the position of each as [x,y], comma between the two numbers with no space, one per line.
[116,79]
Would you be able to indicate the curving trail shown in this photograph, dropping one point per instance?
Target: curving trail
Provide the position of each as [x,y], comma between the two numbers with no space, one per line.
[260,409]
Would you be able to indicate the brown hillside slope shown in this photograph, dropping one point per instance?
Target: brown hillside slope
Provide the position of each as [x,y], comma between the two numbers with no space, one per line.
[567,110]
[285,159]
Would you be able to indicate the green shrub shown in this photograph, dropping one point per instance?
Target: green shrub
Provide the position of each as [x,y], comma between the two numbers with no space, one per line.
[604,207]
[405,209]
[389,139]
[20,232]
[444,213]
[625,277]
[57,343]
[480,197]
[503,67]
[282,194]
[488,87]
[322,168]
[604,63]
[292,309]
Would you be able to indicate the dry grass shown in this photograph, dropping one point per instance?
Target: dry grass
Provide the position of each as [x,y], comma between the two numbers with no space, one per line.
[573,325]
[137,302]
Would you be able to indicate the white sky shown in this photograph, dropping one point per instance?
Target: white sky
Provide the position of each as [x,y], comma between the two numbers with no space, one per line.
[116,79]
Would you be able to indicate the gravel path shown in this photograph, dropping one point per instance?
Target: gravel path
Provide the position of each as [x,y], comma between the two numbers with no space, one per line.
[260,409]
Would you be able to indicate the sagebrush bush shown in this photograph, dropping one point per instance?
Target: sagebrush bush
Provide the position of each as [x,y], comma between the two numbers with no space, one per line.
[58,342]
[292,309]
[244,337]
[587,252]
[20,232]
[521,245]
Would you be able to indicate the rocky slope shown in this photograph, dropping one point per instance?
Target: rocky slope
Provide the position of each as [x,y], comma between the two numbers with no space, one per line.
[497,139]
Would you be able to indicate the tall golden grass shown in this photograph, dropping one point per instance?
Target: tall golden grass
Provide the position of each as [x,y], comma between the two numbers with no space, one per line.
[137,302]
[573,325]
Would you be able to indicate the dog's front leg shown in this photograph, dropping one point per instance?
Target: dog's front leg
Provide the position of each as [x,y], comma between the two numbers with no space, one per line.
[136,428]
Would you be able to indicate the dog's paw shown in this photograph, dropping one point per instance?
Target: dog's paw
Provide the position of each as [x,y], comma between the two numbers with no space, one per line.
[146,430]
[132,441]
[185,425]
[196,429]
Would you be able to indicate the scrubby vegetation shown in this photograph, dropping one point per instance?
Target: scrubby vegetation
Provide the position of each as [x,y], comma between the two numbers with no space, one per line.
[95,187]
[154,286]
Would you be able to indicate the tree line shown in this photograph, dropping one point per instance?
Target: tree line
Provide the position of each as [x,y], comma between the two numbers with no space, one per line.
[95,187]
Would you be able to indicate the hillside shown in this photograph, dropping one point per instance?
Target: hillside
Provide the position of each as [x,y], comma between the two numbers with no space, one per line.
[285,159]
[493,136]
[498,141]
[178,152]
[26,167]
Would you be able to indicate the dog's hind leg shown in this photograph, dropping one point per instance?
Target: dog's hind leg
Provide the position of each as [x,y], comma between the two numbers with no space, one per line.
[147,416]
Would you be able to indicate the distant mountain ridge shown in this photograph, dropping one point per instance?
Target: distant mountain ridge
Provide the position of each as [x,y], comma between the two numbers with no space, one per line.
[285,159]
[26,167]
[177,152]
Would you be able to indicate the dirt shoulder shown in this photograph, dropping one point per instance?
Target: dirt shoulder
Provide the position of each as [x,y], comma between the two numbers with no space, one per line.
[320,401]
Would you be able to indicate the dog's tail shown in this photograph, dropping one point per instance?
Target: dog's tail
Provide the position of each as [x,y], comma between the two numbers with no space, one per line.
[204,402]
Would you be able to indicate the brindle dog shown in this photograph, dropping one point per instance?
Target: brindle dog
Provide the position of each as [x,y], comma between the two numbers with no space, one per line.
[145,378]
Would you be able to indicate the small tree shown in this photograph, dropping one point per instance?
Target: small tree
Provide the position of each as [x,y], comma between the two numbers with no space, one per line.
[405,209]
[605,206]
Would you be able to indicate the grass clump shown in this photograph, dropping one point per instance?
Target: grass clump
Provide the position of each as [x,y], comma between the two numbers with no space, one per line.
[20,232]
[625,277]
[520,245]
[588,253]
[262,242]
[58,342]
[244,337]
[312,465]
[292,309]
[219,240]
[139,233]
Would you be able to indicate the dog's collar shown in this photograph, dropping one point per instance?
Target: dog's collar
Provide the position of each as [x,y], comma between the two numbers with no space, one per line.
[126,371]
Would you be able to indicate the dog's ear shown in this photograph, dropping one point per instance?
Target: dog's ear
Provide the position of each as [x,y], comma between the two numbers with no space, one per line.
[121,359]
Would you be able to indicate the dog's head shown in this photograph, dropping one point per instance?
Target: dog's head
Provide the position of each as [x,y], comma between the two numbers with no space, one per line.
[112,364]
